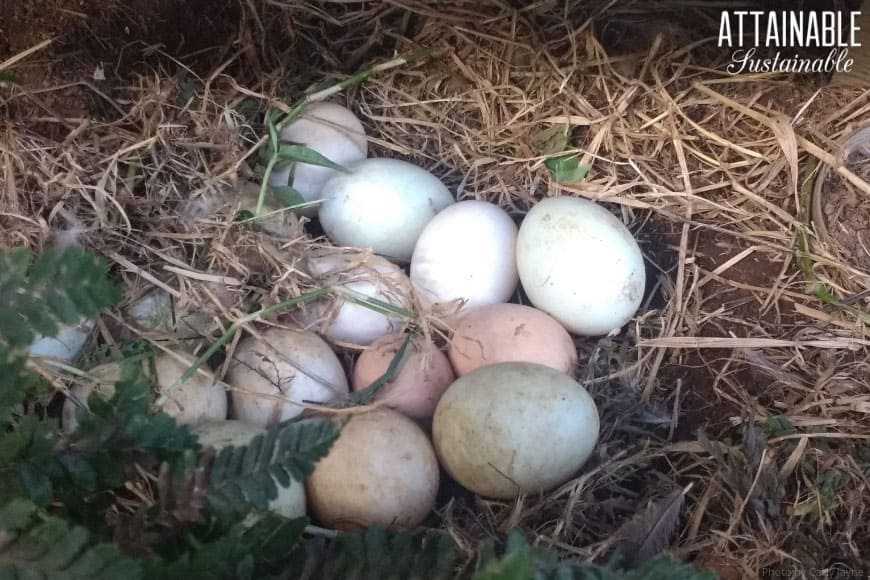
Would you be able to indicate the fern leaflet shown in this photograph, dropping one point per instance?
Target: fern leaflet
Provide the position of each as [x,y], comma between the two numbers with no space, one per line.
[33,545]
[245,477]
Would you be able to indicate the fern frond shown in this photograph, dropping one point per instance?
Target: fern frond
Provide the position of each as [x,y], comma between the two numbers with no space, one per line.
[113,434]
[265,550]
[60,287]
[245,477]
[377,555]
[45,547]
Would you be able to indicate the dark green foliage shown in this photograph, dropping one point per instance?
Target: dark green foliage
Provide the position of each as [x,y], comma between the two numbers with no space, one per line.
[263,550]
[245,477]
[33,545]
[117,432]
[376,555]
[59,287]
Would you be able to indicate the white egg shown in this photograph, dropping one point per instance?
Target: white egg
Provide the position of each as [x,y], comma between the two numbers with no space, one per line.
[272,379]
[290,502]
[334,132]
[513,428]
[581,265]
[342,320]
[66,344]
[383,204]
[467,251]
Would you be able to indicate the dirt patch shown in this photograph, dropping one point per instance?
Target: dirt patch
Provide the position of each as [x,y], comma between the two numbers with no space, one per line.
[847,211]
[714,383]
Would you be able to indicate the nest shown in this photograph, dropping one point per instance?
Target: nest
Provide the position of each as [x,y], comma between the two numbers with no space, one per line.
[735,376]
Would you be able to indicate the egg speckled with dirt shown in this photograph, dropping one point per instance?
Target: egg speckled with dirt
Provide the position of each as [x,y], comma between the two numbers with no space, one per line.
[381,471]
[580,264]
[514,428]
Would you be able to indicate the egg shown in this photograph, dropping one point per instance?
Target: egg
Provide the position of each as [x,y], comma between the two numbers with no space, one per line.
[383,204]
[273,378]
[217,435]
[468,251]
[510,333]
[381,471]
[200,398]
[514,428]
[581,265]
[423,377]
[333,131]
[66,344]
[341,319]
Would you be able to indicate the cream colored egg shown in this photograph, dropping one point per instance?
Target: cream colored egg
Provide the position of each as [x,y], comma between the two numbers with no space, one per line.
[424,376]
[468,252]
[290,502]
[580,264]
[274,378]
[381,471]
[334,132]
[362,275]
[510,333]
[199,398]
[383,204]
[514,428]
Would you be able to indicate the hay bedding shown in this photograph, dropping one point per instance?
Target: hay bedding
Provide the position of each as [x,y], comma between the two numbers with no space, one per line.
[707,170]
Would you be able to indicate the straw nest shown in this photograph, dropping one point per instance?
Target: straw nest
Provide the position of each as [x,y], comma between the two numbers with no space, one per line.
[735,376]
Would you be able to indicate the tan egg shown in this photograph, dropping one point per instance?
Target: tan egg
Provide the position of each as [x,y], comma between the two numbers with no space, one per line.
[382,471]
[416,389]
[199,398]
[510,333]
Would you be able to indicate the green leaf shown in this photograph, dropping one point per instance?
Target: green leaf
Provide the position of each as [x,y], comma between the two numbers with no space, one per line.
[287,196]
[566,168]
[52,550]
[302,154]
[8,77]
[244,215]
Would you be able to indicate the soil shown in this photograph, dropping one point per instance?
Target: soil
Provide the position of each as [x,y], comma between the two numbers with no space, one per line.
[847,211]
[702,371]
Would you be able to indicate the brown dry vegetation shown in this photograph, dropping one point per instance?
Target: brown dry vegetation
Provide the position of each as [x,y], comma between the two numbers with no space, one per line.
[708,170]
